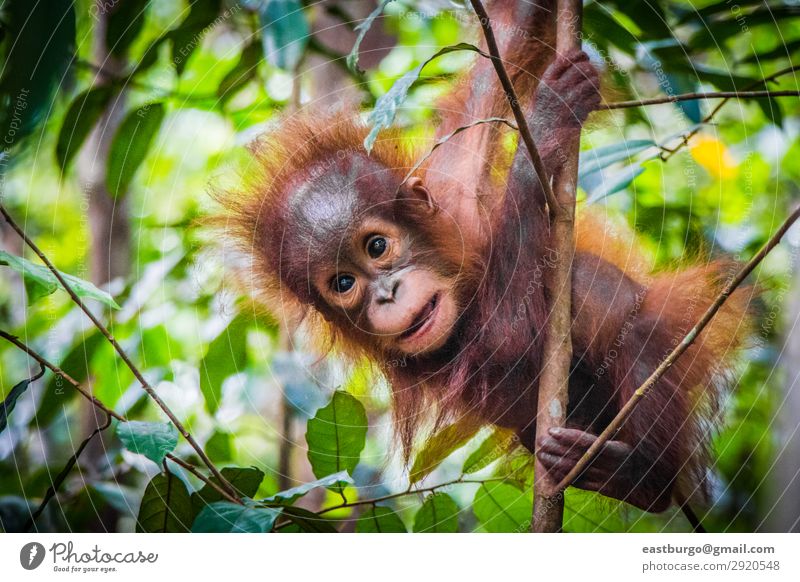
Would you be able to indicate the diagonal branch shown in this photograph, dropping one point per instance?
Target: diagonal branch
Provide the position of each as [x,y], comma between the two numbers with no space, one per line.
[697,96]
[514,103]
[109,412]
[690,337]
[122,354]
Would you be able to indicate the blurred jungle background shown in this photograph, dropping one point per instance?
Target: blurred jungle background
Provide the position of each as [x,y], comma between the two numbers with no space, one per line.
[117,114]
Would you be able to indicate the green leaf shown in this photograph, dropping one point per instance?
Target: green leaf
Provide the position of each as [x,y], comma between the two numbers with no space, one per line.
[124,24]
[439,514]
[308,521]
[227,517]
[219,446]
[38,42]
[380,519]
[151,439]
[76,363]
[165,507]
[246,481]
[382,116]
[130,146]
[226,356]
[438,447]
[242,73]
[11,398]
[81,117]
[336,435]
[501,507]
[362,29]
[596,159]
[189,34]
[41,282]
[284,32]
[289,496]
[615,183]
[495,446]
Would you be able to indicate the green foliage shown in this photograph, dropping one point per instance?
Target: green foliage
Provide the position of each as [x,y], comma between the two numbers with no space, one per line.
[336,435]
[131,144]
[82,115]
[380,519]
[11,398]
[336,480]
[285,32]
[226,356]
[154,440]
[245,480]
[492,448]
[501,507]
[227,517]
[188,35]
[362,29]
[438,447]
[125,22]
[166,507]
[439,514]
[41,282]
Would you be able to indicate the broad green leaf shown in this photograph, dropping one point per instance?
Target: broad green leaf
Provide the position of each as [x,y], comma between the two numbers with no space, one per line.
[189,34]
[308,521]
[130,146]
[10,401]
[289,496]
[715,32]
[501,507]
[165,507]
[382,116]
[154,440]
[599,23]
[495,446]
[81,117]
[124,24]
[615,183]
[219,446]
[284,32]
[242,73]
[245,480]
[782,51]
[227,517]
[41,282]
[336,435]
[226,356]
[362,29]
[596,159]
[58,392]
[38,45]
[439,514]
[380,519]
[122,498]
[438,447]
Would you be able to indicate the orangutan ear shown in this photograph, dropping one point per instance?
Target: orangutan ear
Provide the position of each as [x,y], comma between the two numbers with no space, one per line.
[415,191]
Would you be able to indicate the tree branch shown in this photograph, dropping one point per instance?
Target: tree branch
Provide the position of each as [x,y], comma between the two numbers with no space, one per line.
[690,337]
[548,504]
[697,96]
[122,354]
[108,411]
[720,105]
[513,101]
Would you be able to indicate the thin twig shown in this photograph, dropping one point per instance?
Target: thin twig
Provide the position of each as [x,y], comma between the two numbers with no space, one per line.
[697,96]
[707,119]
[122,354]
[687,341]
[514,103]
[443,140]
[62,476]
[108,411]
[407,492]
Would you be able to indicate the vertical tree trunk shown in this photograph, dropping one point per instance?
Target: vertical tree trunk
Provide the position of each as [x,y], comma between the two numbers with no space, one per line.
[548,504]
[109,220]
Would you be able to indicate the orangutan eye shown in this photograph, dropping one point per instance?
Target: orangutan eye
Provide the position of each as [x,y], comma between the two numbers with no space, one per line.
[376,246]
[343,283]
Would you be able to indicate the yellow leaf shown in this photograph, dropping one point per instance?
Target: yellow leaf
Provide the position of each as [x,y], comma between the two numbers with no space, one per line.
[714,156]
